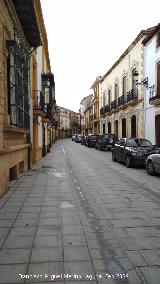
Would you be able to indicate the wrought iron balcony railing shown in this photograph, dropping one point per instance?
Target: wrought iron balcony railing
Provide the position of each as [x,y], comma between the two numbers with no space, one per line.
[114,104]
[104,109]
[38,101]
[121,100]
[132,95]
[154,96]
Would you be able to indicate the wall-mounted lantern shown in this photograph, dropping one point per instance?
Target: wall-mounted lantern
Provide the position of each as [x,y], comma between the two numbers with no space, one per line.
[143,82]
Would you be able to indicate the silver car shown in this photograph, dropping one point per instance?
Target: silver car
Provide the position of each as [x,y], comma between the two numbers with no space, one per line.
[153,164]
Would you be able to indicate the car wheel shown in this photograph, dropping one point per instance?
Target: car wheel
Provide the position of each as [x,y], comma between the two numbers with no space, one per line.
[129,162]
[113,157]
[150,168]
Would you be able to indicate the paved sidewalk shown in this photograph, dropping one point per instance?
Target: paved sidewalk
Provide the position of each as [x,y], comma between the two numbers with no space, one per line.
[52,230]
[41,233]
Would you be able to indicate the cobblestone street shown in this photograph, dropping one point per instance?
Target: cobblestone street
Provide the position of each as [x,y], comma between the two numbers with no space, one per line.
[77,217]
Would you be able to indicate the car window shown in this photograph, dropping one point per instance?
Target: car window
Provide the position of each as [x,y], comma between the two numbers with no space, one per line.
[145,143]
[122,142]
[132,143]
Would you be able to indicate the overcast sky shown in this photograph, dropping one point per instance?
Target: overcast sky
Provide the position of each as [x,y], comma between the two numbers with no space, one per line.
[86,37]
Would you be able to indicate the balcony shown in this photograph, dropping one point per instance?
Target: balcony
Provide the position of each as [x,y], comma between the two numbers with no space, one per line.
[154,96]
[114,105]
[132,95]
[121,100]
[104,110]
[38,101]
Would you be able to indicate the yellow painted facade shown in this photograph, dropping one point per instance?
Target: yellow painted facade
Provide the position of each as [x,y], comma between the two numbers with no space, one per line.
[95,117]
[14,138]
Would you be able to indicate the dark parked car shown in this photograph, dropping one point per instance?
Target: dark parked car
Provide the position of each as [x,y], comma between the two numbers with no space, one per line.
[153,164]
[132,151]
[83,139]
[96,146]
[106,141]
[78,138]
[91,140]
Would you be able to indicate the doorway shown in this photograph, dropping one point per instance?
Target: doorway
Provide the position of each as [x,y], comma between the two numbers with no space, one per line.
[116,128]
[133,127]
[123,127]
[104,128]
[109,127]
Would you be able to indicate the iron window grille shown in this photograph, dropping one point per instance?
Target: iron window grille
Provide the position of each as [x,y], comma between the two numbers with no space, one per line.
[48,89]
[18,80]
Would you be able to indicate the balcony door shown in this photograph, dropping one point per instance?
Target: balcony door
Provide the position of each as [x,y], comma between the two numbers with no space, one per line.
[116,94]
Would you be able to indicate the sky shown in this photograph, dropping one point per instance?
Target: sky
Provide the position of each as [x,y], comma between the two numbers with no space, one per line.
[86,37]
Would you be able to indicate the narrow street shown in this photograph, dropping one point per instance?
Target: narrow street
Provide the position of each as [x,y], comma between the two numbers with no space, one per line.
[78,217]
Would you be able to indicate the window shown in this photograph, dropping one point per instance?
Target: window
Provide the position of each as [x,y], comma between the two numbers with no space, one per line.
[104,99]
[158,79]
[17,76]
[122,142]
[133,79]
[124,86]
[109,98]
[116,92]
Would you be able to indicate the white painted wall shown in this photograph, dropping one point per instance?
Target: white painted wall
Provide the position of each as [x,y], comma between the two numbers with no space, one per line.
[152,56]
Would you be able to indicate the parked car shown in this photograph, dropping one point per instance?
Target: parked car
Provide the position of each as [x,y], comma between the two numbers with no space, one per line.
[73,137]
[78,138]
[91,140]
[153,164]
[83,138]
[96,146]
[132,151]
[106,141]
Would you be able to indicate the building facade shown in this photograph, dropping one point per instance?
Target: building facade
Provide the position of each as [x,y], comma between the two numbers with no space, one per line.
[84,114]
[152,93]
[68,122]
[43,94]
[95,118]
[122,93]
[19,34]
